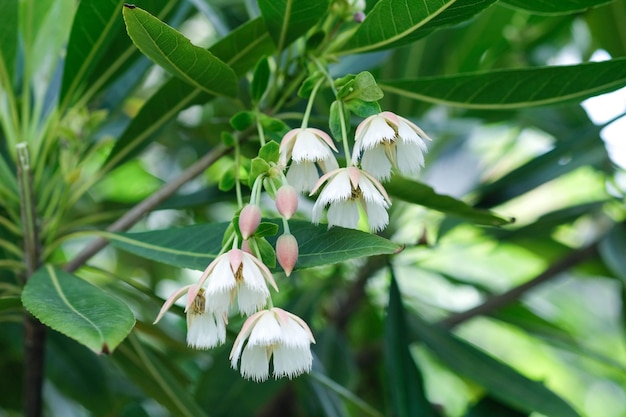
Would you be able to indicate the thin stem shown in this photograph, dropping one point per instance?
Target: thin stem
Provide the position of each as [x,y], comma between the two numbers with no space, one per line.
[147,205]
[342,117]
[309,105]
[28,210]
[259,128]
[237,179]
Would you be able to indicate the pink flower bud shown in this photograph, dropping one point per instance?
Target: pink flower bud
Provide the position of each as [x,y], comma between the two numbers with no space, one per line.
[287,252]
[245,246]
[287,201]
[359,17]
[249,220]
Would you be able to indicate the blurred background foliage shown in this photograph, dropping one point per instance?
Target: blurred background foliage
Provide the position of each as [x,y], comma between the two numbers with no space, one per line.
[558,170]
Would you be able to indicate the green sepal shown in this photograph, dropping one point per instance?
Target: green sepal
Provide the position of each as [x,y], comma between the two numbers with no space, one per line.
[307,86]
[260,79]
[242,120]
[259,166]
[270,151]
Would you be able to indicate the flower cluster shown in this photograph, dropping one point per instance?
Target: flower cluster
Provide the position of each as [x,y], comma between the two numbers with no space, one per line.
[238,280]
[383,142]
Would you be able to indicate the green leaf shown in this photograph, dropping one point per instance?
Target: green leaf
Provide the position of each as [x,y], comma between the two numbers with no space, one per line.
[404,377]
[79,374]
[555,7]
[515,88]
[501,381]
[613,251]
[196,246]
[418,193]
[287,20]
[8,42]
[363,108]
[94,24]
[334,120]
[260,79]
[8,302]
[258,167]
[393,23]
[151,374]
[240,50]
[77,309]
[174,52]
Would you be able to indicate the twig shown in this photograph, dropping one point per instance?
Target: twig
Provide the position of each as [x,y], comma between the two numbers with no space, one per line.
[493,303]
[147,205]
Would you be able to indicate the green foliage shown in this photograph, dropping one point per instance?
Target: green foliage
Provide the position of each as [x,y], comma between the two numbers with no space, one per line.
[77,309]
[107,142]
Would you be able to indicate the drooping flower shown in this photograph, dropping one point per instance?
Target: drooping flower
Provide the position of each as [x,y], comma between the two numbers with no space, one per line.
[204,329]
[236,275]
[385,140]
[307,149]
[276,334]
[346,190]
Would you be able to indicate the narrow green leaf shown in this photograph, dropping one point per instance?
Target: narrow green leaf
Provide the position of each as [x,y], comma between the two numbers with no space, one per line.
[393,23]
[8,43]
[260,79]
[171,50]
[515,88]
[613,251]
[240,50]
[500,380]
[77,309]
[196,246]
[94,24]
[555,7]
[8,302]
[418,193]
[287,20]
[406,383]
[150,374]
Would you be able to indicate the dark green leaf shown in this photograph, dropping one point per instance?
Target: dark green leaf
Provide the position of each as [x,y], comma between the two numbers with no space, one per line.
[287,20]
[363,108]
[174,52]
[267,252]
[501,381]
[153,377]
[78,373]
[8,42]
[94,24]
[405,380]
[10,302]
[220,386]
[418,193]
[489,407]
[77,309]
[555,7]
[334,121]
[228,180]
[240,50]
[196,246]
[515,88]
[260,79]
[613,251]
[242,120]
[393,23]
[258,167]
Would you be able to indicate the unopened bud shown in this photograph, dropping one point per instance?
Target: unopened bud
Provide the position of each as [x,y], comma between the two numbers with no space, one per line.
[249,220]
[287,252]
[359,17]
[245,246]
[287,201]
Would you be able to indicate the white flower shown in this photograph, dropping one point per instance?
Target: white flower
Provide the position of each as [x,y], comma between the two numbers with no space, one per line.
[307,148]
[385,140]
[236,274]
[346,190]
[204,329]
[273,333]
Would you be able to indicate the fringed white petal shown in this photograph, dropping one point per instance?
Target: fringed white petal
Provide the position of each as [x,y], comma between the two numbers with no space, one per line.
[377,216]
[266,331]
[338,188]
[410,158]
[309,147]
[344,214]
[221,278]
[205,330]
[376,163]
[292,361]
[302,176]
[255,363]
